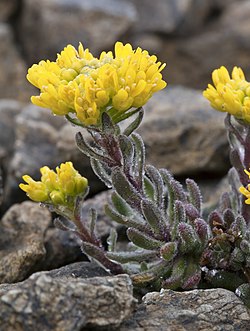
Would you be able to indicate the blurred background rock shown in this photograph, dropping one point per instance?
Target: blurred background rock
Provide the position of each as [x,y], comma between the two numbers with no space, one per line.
[192,36]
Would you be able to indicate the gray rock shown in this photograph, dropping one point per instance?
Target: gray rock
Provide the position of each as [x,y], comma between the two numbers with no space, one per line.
[77,270]
[103,223]
[185,56]
[96,25]
[61,248]
[171,17]
[200,310]
[8,111]
[22,231]
[7,9]
[35,146]
[63,303]
[12,67]
[184,134]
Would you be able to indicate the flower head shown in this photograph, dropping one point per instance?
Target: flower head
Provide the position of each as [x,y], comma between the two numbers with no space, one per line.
[246,190]
[230,94]
[84,86]
[58,188]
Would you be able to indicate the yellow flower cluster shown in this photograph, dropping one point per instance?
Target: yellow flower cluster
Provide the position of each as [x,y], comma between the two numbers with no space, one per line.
[228,94]
[79,83]
[59,188]
[246,191]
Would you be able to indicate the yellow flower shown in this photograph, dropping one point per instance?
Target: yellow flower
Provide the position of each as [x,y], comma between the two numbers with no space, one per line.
[230,94]
[36,191]
[246,191]
[59,188]
[81,85]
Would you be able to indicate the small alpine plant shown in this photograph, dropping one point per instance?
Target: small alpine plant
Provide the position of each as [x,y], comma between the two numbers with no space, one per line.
[172,245]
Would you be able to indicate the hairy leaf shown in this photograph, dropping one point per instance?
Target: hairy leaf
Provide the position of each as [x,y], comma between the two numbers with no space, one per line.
[169,251]
[194,194]
[121,205]
[63,224]
[158,183]
[129,221]
[125,189]
[139,161]
[111,240]
[127,150]
[175,280]
[135,124]
[136,256]
[153,216]
[189,239]
[102,171]
[91,152]
[143,240]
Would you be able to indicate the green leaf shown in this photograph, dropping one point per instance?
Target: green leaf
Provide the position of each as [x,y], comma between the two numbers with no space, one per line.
[125,189]
[153,216]
[245,246]
[121,219]
[239,226]
[135,124]
[169,251]
[152,274]
[158,183]
[143,240]
[203,231]
[121,205]
[121,116]
[108,127]
[91,152]
[139,160]
[111,240]
[179,216]
[178,270]
[194,194]
[189,239]
[148,188]
[136,256]
[243,292]
[228,217]
[175,191]
[192,275]
[63,224]
[127,150]
[237,259]
[102,171]
[93,219]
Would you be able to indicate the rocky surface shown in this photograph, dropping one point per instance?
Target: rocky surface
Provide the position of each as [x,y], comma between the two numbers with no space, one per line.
[9,109]
[74,302]
[171,16]
[8,8]
[182,133]
[200,310]
[22,231]
[13,68]
[70,22]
